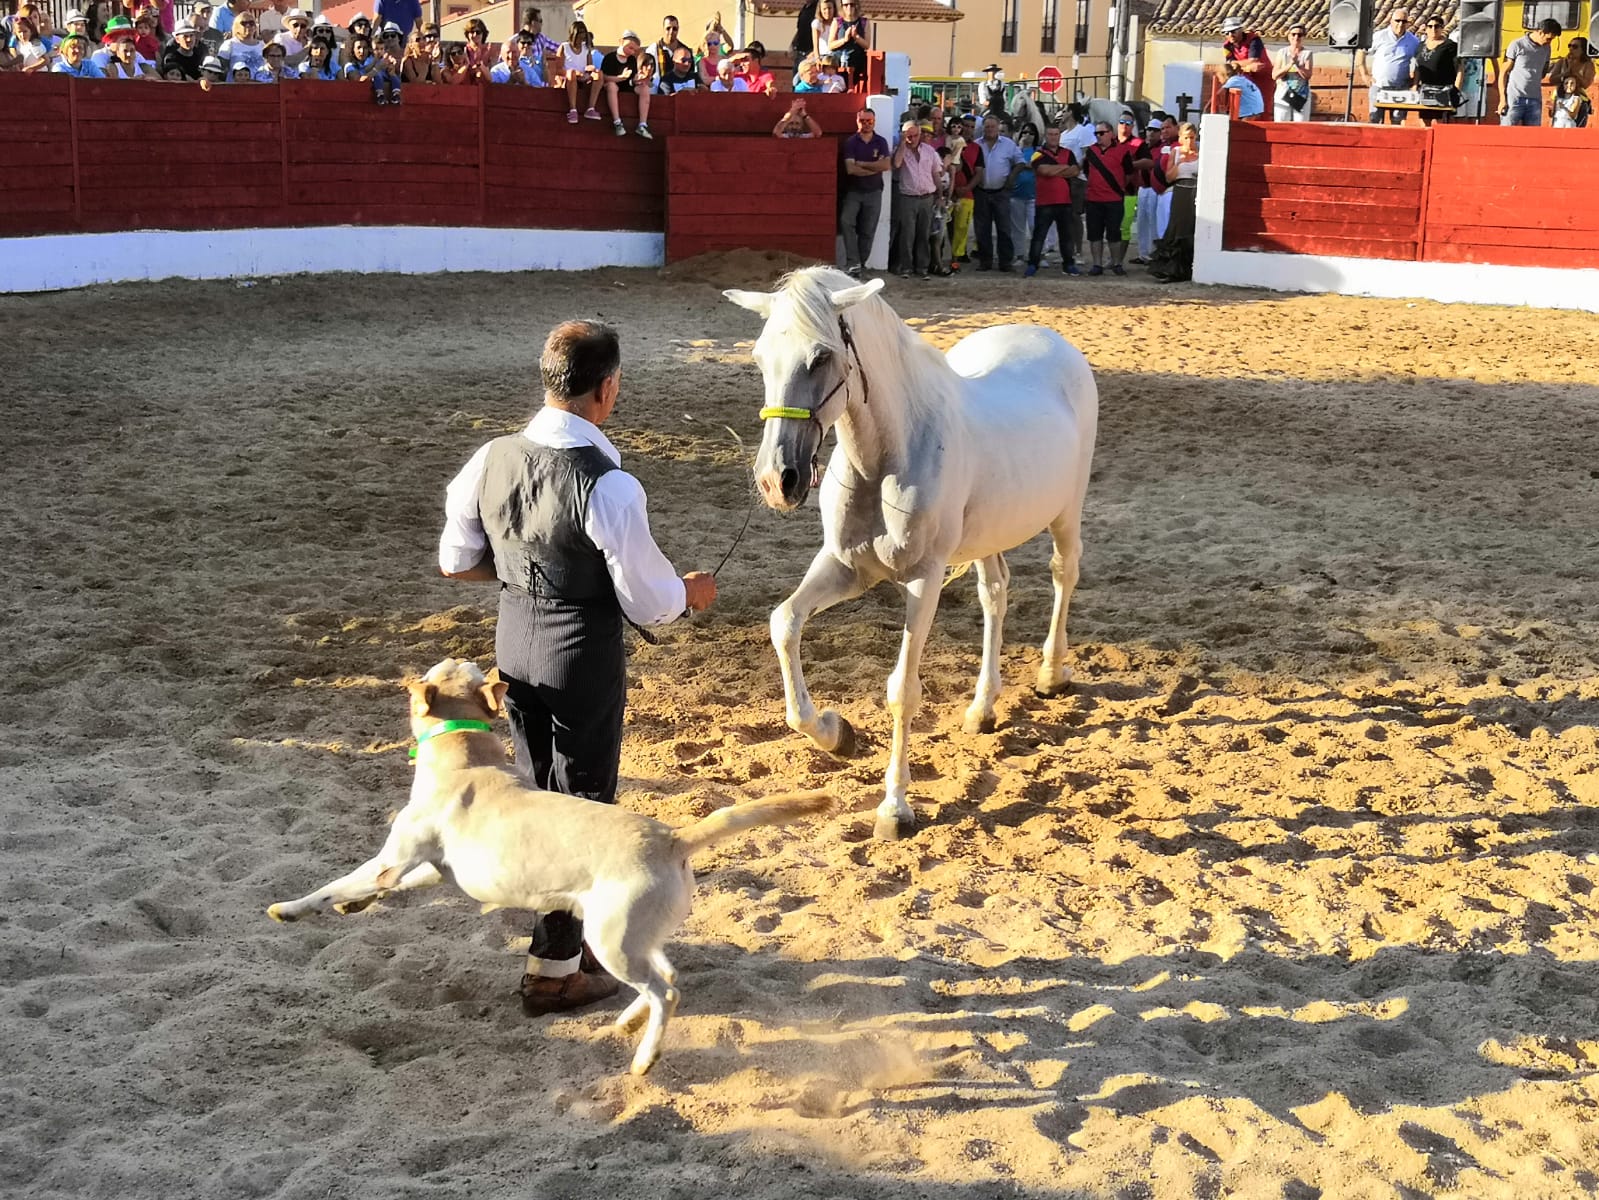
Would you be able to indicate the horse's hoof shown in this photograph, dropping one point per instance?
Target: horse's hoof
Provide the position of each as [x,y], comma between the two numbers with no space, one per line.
[1053,690]
[846,740]
[891,828]
[979,724]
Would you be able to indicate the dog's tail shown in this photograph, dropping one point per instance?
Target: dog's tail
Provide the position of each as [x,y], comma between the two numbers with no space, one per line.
[769,810]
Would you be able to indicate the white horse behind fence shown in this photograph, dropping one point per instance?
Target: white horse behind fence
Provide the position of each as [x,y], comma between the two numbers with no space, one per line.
[941,461]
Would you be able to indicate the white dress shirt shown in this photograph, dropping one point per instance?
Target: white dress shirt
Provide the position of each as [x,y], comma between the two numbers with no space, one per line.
[647,586]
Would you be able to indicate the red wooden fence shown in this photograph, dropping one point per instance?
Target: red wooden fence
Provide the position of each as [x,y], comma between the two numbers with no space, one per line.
[1449,193]
[784,199]
[109,155]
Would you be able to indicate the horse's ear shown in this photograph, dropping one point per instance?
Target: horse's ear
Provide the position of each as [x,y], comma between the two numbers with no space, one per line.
[854,295]
[759,303]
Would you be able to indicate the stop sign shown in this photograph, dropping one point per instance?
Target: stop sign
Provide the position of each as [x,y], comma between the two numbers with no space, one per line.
[1049,80]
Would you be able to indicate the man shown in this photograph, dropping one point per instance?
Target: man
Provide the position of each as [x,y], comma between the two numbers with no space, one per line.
[1526,63]
[183,54]
[549,514]
[810,76]
[726,80]
[1077,137]
[623,68]
[1244,47]
[991,92]
[682,77]
[1106,167]
[665,50]
[521,65]
[1168,146]
[920,174]
[1151,183]
[866,160]
[1055,167]
[404,13]
[1125,132]
[543,46]
[222,18]
[210,36]
[1388,63]
[997,161]
[962,185]
[74,61]
[293,37]
[750,66]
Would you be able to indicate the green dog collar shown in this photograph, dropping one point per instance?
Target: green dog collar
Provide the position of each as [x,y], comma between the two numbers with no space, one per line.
[444,727]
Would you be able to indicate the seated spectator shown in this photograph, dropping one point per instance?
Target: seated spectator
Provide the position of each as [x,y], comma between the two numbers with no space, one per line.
[726,80]
[293,36]
[680,75]
[809,77]
[75,22]
[240,72]
[622,69]
[221,17]
[523,67]
[478,50]
[47,29]
[385,74]
[421,64]
[1251,103]
[125,61]
[833,76]
[244,46]
[360,26]
[183,54]
[74,60]
[276,65]
[716,45]
[210,36]
[796,122]
[361,61]
[457,70]
[320,63]
[322,28]
[579,62]
[32,52]
[1570,108]
[543,46]
[212,72]
[749,65]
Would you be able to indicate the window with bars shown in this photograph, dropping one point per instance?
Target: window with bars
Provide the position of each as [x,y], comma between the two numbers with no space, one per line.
[1046,40]
[1007,28]
[1536,12]
[1080,37]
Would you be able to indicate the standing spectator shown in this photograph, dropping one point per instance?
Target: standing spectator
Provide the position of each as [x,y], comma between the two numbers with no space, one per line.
[998,161]
[183,54]
[1151,182]
[1244,47]
[1292,99]
[1387,64]
[920,174]
[1521,80]
[826,12]
[543,45]
[1078,136]
[385,73]
[1125,134]
[522,66]
[851,38]
[804,42]
[1106,166]
[1055,167]
[1023,193]
[796,122]
[964,166]
[680,75]
[725,80]
[866,160]
[221,17]
[716,45]
[621,68]
[750,66]
[400,13]
[271,19]
[1163,157]
[1251,104]
[1174,254]
[665,50]
[1437,64]
[579,62]
[243,46]
[421,64]
[210,35]
[74,61]
[320,65]
[361,61]
[32,52]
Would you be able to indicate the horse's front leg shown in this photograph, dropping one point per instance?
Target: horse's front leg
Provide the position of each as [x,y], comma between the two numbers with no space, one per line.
[993,589]
[826,583]
[894,815]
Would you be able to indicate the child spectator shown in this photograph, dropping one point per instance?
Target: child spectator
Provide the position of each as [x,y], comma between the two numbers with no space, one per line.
[579,62]
[212,72]
[809,78]
[145,39]
[240,72]
[30,49]
[1251,103]
[620,69]
[361,59]
[385,73]
[832,78]
[1571,107]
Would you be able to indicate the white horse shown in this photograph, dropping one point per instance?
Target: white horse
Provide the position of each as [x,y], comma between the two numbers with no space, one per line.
[942,461]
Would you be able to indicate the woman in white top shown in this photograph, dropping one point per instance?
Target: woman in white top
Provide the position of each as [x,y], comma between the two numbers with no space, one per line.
[244,46]
[28,46]
[580,61]
[1292,100]
[821,27]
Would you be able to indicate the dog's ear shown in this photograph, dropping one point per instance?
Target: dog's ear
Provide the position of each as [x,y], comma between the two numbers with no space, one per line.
[494,696]
[423,694]
[390,877]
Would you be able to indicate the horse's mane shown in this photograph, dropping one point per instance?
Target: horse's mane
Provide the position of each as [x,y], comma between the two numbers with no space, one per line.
[892,354]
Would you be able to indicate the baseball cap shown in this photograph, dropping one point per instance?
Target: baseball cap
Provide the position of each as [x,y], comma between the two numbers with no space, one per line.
[1231,24]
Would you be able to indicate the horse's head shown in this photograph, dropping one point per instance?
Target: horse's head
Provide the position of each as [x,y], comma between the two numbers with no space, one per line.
[806,358]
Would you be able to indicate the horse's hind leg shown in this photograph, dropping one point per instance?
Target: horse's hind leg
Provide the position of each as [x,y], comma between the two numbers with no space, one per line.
[826,583]
[1054,676]
[993,588]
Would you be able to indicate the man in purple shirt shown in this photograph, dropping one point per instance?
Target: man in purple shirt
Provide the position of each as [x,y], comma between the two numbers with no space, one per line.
[866,161]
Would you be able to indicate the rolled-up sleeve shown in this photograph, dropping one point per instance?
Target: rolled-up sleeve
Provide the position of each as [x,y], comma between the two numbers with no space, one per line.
[647,585]
[463,541]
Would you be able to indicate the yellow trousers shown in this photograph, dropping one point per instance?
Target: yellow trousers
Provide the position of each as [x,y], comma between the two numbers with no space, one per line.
[963,225]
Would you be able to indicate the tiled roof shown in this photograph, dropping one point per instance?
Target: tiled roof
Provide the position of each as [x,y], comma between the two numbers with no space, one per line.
[1272,18]
[878,10]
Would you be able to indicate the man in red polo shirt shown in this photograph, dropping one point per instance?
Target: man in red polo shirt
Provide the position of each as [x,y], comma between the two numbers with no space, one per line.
[750,65]
[1054,167]
[1107,164]
[1242,46]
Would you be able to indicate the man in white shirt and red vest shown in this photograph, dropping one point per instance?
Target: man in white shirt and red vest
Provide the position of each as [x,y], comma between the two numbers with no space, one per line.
[551,516]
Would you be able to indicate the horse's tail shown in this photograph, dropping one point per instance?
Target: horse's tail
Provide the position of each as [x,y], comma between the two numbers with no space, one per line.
[769,810]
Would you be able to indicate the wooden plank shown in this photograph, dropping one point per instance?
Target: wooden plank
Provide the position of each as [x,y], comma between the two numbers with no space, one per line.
[14,179]
[365,213]
[751,227]
[1341,247]
[32,224]
[157,105]
[1475,140]
[164,175]
[253,217]
[1537,166]
[795,204]
[1359,230]
[593,137]
[820,183]
[1303,176]
[376,173]
[650,183]
[134,155]
[1373,215]
[377,129]
[170,131]
[24,155]
[1349,158]
[458,195]
[1252,190]
[818,249]
[1484,208]
[768,156]
[1512,237]
[1514,256]
[56,198]
[1273,133]
[535,209]
[435,154]
[165,200]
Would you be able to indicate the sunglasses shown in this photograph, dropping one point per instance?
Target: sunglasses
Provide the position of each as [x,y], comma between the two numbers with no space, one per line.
[298,25]
[430,37]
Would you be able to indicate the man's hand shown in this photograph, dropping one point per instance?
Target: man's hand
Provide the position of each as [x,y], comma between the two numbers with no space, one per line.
[699,589]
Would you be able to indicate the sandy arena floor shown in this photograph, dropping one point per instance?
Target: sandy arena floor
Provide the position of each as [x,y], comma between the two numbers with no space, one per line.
[1292,897]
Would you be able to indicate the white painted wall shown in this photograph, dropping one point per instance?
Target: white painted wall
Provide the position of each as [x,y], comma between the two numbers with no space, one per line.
[1452,283]
[58,261]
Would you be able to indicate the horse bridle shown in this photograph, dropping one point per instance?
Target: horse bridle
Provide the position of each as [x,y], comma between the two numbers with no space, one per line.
[817,414]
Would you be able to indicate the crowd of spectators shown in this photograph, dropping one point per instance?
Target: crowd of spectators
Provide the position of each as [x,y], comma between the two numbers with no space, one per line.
[980,192]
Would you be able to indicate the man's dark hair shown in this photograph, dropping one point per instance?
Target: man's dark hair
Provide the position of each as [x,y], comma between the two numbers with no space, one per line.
[1158,115]
[578,357]
[533,14]
[1550,26]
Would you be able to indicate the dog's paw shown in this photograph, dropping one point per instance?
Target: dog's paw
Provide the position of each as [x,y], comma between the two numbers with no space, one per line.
[278,914]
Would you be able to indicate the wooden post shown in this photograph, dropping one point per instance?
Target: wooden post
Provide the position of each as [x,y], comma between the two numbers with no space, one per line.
[283,152]
[1426,189]
[482,156]
[72,126]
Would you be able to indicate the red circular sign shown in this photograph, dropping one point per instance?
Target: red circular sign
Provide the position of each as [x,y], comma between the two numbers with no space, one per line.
[1049,80]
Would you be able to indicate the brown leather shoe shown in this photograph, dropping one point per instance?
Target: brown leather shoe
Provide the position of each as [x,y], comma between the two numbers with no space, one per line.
[590,965]
[541,995]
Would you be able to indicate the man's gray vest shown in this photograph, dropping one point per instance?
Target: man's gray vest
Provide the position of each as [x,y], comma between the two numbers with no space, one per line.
[532,502]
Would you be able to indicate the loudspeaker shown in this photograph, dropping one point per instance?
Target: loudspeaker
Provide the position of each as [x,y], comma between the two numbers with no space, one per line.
[1478,35]
[1349,24]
